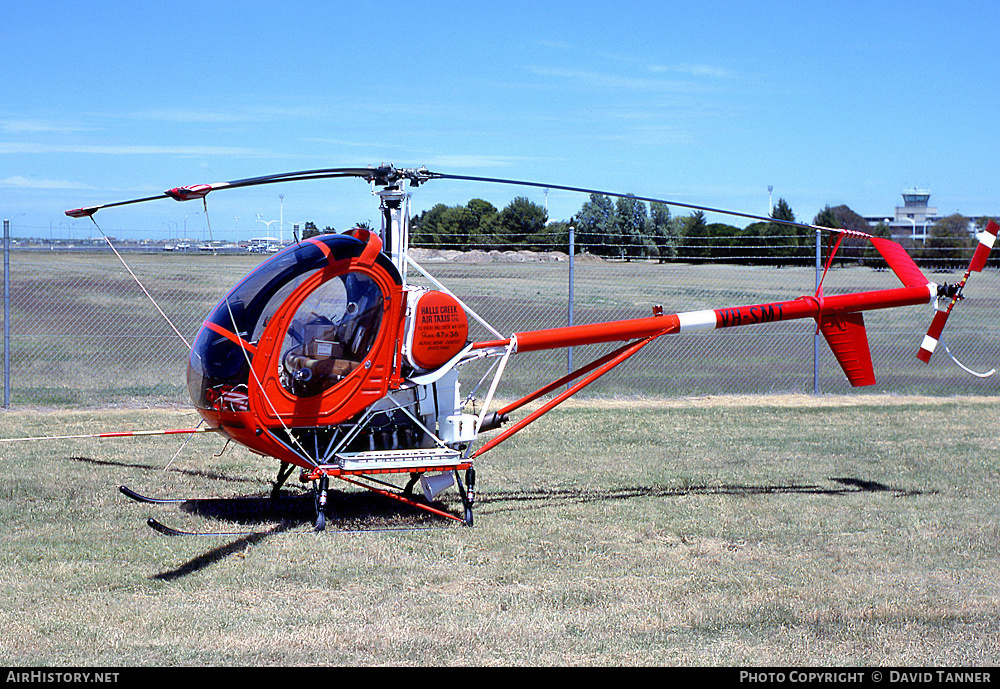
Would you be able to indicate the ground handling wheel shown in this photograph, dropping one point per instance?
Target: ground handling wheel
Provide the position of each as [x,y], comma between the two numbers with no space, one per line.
[321,494]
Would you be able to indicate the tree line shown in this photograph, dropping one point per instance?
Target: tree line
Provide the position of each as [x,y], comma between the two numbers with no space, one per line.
[628,228]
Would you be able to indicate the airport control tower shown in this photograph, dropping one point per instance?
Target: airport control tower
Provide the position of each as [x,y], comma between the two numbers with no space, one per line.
[914,217]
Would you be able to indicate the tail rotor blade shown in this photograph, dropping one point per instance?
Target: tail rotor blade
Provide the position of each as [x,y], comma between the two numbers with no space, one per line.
[986,241]
[930,342]
[979,258]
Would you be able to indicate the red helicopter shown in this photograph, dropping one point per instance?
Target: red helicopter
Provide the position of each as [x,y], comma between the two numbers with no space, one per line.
[326,358]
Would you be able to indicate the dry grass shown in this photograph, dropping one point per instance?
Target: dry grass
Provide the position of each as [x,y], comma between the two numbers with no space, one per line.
[711,531]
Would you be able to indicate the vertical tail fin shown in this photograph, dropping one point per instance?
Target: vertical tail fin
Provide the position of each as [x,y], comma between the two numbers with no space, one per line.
[848,339]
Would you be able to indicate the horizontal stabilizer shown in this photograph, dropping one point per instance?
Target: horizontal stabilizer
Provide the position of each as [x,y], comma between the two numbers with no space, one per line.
[900,262]
[847,338]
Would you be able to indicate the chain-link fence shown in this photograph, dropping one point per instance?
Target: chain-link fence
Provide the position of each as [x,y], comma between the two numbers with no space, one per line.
[81,331]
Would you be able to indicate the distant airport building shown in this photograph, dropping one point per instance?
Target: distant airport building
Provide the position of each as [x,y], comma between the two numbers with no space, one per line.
[913,219]
[263,245]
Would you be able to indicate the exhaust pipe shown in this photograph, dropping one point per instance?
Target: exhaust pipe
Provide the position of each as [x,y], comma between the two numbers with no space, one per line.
[493,421]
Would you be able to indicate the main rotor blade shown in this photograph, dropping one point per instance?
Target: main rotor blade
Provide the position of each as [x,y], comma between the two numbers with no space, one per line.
[679,204]
[383,174]
[388,174]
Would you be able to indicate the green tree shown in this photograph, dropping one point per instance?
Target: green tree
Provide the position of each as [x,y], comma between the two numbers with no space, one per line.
[557,236]
[436,228]
[594,225]
[663,230]
[725,241]
[782,239]
[852,248]
[479,225]
[826,218]
[695,244]
[754,245]
[310,230]
[521,220]
[630,226]
[949,243]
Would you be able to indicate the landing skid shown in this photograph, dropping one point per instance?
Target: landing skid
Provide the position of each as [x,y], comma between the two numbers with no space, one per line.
[162,528]
[170,531]
[321,477]
[132,495]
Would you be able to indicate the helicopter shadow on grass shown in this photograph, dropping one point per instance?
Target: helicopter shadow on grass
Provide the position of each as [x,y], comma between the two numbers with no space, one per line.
[515,500]
[345,511]
[362,511]
[293,507]
[266,517]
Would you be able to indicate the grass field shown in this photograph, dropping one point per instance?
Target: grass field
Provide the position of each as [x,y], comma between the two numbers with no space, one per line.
[776,530]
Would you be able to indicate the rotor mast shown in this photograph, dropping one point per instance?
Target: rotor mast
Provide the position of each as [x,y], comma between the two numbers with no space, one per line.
[395,232]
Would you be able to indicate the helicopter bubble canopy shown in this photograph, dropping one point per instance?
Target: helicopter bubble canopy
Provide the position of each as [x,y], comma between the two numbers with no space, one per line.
[331,334]
[324,298]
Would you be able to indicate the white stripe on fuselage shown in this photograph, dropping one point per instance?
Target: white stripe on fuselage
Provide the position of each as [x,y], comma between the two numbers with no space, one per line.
[697,321]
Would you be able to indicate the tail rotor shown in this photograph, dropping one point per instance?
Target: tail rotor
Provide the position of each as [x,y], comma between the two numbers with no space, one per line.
[953,293]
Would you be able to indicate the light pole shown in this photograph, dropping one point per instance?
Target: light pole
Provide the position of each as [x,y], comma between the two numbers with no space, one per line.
[186,224]
[266,223]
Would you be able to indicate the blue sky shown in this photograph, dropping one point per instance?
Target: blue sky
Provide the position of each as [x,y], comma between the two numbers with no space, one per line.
[704,103]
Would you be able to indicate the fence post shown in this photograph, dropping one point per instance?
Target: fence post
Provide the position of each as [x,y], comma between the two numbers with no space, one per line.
[569,310]
[819,276]
[6,314]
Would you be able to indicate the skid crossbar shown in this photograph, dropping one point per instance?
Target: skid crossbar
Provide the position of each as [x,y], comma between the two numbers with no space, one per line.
[349,476]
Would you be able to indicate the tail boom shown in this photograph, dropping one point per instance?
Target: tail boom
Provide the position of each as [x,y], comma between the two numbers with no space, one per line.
[805,307]
[838,316]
